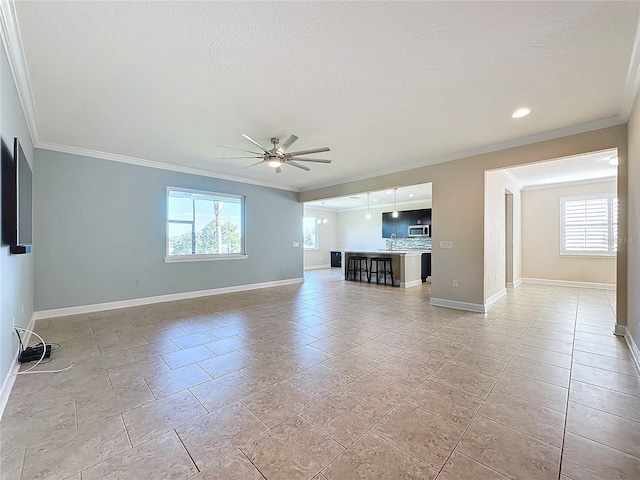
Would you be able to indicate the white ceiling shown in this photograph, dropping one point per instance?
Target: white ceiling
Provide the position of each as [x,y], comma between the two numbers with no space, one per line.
[387,85]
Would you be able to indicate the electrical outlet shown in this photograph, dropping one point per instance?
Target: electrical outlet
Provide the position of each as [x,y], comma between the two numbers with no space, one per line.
[296,244]
[455,284]
[138,283]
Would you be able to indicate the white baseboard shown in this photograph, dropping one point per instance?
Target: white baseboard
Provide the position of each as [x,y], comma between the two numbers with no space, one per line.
[622,330]
[516,284]
[568,283]
[134,302]
[413,283]
[10,379]
[470,307]
[317,267]
[494,298]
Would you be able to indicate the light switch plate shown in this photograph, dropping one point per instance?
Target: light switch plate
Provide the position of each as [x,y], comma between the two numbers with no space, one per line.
[296,244]
[446,244]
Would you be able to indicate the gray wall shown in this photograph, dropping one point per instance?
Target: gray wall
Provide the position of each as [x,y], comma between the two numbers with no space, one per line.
[16,271]
[100,226]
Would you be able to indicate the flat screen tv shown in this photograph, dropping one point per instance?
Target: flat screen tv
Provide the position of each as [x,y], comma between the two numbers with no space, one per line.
[17,201]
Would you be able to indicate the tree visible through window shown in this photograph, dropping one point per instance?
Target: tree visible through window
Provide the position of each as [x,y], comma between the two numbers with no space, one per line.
[310,233]
[589,225]
[203,223]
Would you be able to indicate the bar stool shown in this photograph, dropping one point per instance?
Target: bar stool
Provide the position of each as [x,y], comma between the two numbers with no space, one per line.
[387,269]
[357,265]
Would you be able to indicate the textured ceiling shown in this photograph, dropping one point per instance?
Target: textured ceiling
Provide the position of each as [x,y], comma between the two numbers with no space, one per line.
[386,85]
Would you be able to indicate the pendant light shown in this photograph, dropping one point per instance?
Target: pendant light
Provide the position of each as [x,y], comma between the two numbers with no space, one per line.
[395,203]
[368,210]
[323,220]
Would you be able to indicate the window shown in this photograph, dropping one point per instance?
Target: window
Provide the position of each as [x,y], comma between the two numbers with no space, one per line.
[589,225]
[204,225]
[310,233]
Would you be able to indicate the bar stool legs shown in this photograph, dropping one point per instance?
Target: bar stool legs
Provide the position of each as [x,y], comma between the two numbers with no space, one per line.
[387,269]
[357,265]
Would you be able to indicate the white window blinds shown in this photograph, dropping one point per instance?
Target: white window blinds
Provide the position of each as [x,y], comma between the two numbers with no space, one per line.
[589,225]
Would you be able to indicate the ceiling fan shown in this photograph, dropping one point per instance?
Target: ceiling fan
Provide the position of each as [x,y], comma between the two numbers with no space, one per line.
[278,156]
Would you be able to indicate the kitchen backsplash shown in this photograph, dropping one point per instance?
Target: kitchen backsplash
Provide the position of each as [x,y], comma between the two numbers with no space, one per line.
[419,243]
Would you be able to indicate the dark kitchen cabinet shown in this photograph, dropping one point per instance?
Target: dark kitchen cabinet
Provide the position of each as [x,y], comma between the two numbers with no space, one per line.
[405,219]
[425,270]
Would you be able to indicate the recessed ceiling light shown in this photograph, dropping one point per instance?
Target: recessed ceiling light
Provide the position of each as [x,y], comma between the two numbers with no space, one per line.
[521,112]
[375,199]
[613,161]
[389,192]
[410,195]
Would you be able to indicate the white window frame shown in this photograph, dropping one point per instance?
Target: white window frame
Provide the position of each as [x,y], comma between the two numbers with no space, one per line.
[317,242]
[612,227]
[208,257]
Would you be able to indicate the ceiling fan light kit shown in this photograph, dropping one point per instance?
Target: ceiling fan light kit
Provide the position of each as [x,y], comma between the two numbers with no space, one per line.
[278,156]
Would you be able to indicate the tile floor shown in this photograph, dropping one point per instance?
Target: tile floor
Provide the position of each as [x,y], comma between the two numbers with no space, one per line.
[332,381]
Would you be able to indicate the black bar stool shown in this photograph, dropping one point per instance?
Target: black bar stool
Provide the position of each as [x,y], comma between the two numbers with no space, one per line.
[387,269]
[357,265]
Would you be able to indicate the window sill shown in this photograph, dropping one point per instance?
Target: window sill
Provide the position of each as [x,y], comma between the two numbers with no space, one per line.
[588,255]
[311,249]
[204,258]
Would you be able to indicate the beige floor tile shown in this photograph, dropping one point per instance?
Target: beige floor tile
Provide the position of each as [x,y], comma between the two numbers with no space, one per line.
[11,460]
[277,403]
[264,351]
[152,350]
[224,390]
[162,457]
[166,383]
[210,438]
[509,452]
[378,390]
[139,370]
[68,453]
[195,339]
[404,371]
[270,372]
[320,380]
[226,363]
[617,365]
[293,450]
[187,356]
[163,335]
[226,345]
[461,467]
[540,371]
[305,357]
[356,335]
[342,416]
[530,418]
[114,401]
[550,334]
[583,459]
[427,358]
[155,418]
[536,391]
[548,344]
[372,458]
[615,351]
[333,345]
[611,430]
[235,466]
[396,339]
[464,380]
[604,378]
[30,428]
[353,364]
[544,356]
[446,402]
[376,350]
[609,401]
[479,363]
[498,352]
[423,435]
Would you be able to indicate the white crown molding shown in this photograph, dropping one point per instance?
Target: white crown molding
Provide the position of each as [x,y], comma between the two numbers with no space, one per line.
[632,83]
[495,147]
[10,33]
[512,178]
[153,164]
[574,183]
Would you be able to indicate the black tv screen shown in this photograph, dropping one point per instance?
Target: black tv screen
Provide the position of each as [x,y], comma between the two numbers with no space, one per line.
[17,200]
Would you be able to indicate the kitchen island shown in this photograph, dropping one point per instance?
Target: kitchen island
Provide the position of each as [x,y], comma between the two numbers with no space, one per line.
[406,264]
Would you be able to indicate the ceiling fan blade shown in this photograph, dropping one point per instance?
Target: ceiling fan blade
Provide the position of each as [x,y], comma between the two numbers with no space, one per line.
[234,148]
[254,164]
[303,167]
[227,158]
[255,143]
[308,152]
[317,160]
[278,170]
[287,144]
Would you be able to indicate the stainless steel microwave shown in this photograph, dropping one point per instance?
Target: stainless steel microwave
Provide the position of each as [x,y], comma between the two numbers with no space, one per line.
[418,231]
